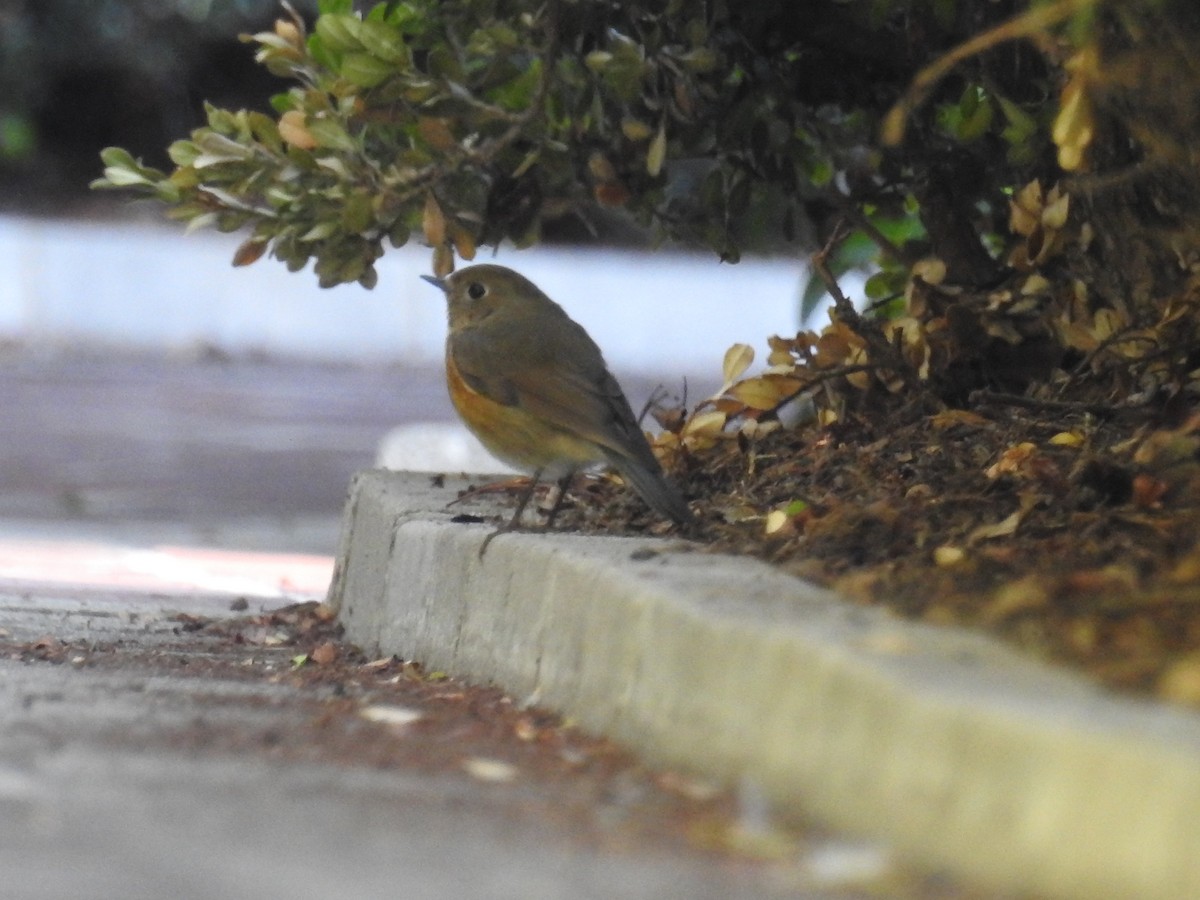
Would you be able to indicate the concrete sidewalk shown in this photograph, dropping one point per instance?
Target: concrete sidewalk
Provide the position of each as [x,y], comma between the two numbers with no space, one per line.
[145,755]
[963,754]
[150,747]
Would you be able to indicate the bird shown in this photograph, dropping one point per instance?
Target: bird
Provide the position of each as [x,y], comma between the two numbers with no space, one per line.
[533,387]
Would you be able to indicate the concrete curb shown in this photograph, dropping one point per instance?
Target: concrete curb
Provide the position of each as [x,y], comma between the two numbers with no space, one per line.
[957,751]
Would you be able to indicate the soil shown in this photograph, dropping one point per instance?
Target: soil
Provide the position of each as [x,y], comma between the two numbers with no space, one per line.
[1071,536]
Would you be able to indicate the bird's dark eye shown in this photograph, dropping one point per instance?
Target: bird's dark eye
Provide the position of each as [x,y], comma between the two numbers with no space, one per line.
[476,290]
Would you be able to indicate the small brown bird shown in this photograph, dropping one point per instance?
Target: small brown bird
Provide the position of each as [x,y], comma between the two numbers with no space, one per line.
[533,387]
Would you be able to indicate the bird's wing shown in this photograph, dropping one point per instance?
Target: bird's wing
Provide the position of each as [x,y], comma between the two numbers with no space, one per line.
[516,365]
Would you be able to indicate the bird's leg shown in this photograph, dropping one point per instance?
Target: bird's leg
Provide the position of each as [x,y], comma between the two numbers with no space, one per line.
[563,484]
[515,521]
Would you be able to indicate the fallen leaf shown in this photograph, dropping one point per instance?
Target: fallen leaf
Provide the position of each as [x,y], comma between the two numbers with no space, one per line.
[396,716]
[491,770]
[325,654]
[947,555]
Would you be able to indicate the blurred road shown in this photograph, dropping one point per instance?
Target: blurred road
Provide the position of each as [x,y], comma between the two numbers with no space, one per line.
[94,438]
[210,449]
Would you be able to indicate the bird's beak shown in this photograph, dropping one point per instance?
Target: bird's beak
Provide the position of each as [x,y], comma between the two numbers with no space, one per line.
[437,283]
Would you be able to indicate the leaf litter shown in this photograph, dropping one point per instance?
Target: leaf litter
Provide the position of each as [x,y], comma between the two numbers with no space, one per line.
[1022,459]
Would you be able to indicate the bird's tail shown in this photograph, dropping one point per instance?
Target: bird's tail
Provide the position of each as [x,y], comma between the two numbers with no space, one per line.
[653,487]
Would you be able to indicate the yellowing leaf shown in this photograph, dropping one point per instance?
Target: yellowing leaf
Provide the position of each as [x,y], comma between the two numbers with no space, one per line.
[1067,439]
[1054,215]
[635,129]
[287,30]
[764,392]
[737,360]
[1025,209]
[1074,126]
[601,168]
[947,555]
[709,422]
[777,521]
[293,130]
[930,270]
[1035,284]
[657,153]
[1107,322]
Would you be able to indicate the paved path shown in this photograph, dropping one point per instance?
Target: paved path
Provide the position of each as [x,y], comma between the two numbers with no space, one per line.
[87,437]
[140,758]
[150,749]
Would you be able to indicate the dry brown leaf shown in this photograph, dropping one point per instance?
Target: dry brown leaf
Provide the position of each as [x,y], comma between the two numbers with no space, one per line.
[433,221]
[765,392]
[435,131]
[443,260]
[1013,461]
[294,130]
[1025,209]
[250,251]
[1014,598]
[931,270]
[1007,526]
[952,418]
[325,654]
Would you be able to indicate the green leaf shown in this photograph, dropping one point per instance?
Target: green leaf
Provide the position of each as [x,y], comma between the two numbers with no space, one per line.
[339,33]
[814,291]
[795,508]
[365,70]
[118,156]
[217,148]
[118,177]
[358,214]
[701,60]
[18,136]
[183,153]
[335,7]
[399,233]
[383,42]
[970,118]
[331,135]
[517,94]
[880,285]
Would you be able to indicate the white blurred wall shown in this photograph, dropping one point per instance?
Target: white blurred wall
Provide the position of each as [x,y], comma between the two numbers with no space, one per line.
[149,286]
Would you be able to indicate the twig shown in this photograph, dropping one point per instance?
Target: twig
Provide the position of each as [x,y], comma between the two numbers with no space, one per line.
[1037,19]
[881,240]
[820,262]
[1101,410]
